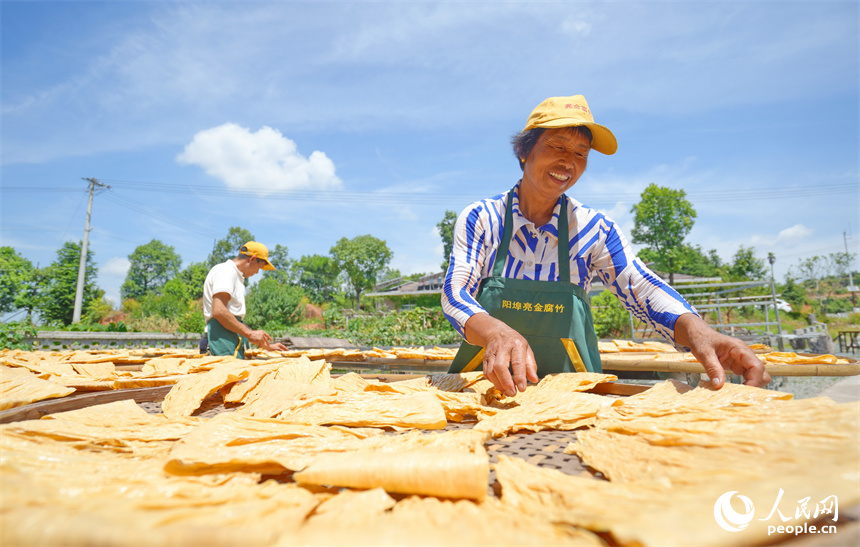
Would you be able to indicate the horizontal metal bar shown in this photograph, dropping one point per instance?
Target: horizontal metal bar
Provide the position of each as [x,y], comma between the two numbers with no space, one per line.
[735,305]
[710,294]
[740,284]
[730,325]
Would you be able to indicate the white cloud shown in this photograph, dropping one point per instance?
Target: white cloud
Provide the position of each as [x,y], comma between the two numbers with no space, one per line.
[618,210]
[796,232]
[791,235]
[115,267]
[576,26]
[111,275]
[265,160]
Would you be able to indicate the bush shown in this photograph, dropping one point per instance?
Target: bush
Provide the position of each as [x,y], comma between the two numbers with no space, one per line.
[611,318]
[837,305]
[192,320]
[98,310]
[13,334]
[415,327]
[274,306]
[151,323]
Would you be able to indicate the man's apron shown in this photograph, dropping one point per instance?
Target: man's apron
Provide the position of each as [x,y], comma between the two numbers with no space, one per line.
[553,316]
[225,342]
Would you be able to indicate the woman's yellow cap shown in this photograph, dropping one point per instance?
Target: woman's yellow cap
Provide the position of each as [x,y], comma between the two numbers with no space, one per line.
[572,111]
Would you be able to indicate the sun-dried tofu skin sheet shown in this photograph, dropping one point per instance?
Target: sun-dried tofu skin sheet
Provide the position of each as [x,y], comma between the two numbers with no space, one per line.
[240,390]
[133,382]
[112,425]
[405,387]
[680,515]
[164,366]
[572,381]
[454,382]
[101,370]
[304,371]
[672,397]
[545,409]
[443,473]
[349,383]
[351,508]
[17,389]
[420,411]
[273,395]
[229,442]
[431,521]
[562,382]
[189,393]
[83,498]
[459,406]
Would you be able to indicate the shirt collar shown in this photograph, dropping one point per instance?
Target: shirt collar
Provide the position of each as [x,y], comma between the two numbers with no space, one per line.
[550,228]
[238,271]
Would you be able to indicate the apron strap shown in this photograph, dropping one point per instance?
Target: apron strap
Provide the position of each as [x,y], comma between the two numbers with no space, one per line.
[502,251]
[563,239]
[563,242]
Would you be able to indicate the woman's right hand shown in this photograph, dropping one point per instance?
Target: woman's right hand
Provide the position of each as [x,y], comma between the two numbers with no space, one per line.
[505,351]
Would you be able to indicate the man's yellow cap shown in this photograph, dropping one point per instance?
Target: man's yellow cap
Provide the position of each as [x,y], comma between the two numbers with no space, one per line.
[259,251]
[558,112]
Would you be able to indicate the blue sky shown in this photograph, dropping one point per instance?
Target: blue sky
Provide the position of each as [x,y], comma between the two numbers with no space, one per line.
[305,122]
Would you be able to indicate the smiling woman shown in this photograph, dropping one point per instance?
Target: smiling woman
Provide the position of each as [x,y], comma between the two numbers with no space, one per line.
[522,264]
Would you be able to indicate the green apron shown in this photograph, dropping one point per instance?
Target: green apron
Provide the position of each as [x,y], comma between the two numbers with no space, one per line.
[225,342]
[553,316]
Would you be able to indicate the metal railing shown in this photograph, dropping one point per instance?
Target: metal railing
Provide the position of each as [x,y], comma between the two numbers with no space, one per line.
[60,340]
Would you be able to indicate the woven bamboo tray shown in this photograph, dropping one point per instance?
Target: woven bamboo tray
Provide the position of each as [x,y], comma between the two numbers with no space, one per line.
[544,448]
[672,362]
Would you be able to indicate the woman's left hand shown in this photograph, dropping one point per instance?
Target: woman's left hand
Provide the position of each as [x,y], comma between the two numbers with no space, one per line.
[718,352]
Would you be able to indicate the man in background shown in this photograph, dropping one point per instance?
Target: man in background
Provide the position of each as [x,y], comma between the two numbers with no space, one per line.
[224,303]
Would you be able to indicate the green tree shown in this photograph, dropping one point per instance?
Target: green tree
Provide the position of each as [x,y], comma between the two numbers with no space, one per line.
[227,248]
[693,261]
[696,262]
[56,302]
[30,296]
[151,266]
[193,277]
[16,273]
[745,266]
[839,264]
[812,270]
[793,293]
[273,306]
[388,274]
[446,232]
[279,256]
[662,219]
[361,259]
[317,276]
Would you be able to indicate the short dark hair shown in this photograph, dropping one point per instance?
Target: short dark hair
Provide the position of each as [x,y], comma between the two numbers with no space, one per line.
[524,141]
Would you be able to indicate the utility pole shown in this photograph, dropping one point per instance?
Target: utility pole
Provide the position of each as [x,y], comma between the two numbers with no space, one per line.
[82,266]
[851,288]
[780,343]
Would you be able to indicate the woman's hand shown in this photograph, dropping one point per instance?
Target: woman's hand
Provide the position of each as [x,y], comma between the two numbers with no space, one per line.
[505,350]
[717,352]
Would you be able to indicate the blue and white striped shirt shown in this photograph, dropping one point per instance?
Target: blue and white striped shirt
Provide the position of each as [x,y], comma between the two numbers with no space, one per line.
[596,247]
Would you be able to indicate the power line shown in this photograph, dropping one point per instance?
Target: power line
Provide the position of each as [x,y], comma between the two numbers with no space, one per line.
[152,212]
[716,195]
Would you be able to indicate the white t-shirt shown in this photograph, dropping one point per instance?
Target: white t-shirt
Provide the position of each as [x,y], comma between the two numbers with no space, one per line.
[227,278]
